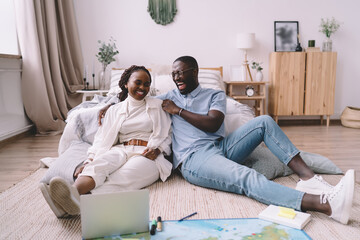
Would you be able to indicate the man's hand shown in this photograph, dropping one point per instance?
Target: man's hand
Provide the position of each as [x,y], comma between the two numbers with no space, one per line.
[170,107]
[102,112]
[151,154]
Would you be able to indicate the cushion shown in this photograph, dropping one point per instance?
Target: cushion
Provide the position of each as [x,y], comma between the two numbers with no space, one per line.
[211,79]
[114,82]
[67,162]
[266,163]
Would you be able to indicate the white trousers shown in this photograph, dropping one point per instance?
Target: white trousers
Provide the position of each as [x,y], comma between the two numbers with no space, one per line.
[121,168]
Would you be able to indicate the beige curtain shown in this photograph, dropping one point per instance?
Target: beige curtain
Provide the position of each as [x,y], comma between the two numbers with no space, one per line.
[52,61]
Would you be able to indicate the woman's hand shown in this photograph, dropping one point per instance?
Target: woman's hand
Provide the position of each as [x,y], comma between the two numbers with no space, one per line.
[79,169]
[150,153]
[102,112]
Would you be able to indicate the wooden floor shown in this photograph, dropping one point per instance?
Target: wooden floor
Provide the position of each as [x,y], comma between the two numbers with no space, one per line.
[340,144]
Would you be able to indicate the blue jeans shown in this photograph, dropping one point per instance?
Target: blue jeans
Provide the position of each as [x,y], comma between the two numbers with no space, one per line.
[218,164]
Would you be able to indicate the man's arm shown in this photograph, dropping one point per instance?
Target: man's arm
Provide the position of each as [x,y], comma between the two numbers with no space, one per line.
[208,123]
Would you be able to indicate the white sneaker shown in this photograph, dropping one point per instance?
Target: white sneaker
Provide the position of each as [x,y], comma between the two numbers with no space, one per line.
[56,208]
[315,185]
[341,197]
[65,195]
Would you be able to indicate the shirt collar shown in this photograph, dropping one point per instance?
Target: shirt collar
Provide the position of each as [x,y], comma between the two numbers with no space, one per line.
[194,92]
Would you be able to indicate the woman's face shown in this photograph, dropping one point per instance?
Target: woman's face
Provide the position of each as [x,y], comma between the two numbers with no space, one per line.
[138,84]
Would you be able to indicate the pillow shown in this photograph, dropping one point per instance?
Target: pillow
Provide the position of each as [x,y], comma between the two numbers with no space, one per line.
[114,82]
[211,79]
[265,162]
[161,84]
[67,162]
[237,114]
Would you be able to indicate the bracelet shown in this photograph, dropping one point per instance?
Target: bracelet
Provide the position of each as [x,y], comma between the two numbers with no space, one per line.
[179,113]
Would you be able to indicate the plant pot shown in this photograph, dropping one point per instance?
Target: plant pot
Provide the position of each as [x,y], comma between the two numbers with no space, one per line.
[103,83]
[259,76]
[327,45]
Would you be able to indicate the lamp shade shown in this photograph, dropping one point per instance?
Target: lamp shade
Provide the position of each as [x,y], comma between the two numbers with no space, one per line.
[245,40]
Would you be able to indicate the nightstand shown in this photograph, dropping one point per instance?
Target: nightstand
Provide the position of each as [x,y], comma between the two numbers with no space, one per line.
[90,93]
[259,97]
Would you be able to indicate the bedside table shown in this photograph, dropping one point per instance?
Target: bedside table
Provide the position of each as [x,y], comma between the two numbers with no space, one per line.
[90,93]
[259,97]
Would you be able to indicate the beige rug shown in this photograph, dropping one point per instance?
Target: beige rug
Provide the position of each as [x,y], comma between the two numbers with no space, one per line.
[24,213]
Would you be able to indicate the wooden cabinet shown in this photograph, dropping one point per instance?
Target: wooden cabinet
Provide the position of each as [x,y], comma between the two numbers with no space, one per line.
[302,84]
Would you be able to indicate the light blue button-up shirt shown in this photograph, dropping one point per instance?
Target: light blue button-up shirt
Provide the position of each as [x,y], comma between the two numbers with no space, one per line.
[186,138]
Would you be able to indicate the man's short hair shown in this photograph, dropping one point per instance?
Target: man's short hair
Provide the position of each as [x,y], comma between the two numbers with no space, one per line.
[188,60]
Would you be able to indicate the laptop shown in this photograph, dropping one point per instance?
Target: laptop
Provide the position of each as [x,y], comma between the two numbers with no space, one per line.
[114,213]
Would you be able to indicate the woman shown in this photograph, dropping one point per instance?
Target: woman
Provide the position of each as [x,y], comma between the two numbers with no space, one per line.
[131,140]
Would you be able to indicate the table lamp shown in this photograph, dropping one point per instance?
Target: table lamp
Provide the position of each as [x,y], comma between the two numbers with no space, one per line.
[245,41]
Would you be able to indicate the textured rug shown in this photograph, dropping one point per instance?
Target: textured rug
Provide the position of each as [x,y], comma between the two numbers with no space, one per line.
[24,213]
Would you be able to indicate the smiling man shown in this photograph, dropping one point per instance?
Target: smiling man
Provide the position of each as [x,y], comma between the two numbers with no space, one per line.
[207,158]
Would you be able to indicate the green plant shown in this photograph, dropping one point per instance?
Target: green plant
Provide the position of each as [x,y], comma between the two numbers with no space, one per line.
[257,66]
[107,51]
[328,26]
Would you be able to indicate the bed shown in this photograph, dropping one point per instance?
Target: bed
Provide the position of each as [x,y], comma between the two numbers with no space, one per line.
[82,124]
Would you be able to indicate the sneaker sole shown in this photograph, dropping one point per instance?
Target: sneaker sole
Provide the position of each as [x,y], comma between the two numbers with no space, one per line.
[349,180]
[61,193]
[58,211]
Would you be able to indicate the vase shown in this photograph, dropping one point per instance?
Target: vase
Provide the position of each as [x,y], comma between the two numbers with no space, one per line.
[259,76]
[327,45]
[102,78]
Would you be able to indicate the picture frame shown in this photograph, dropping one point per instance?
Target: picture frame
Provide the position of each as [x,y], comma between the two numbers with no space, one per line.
[286,36]
[236,73]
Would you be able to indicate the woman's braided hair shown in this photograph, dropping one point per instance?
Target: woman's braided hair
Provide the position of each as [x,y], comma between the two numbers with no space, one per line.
[125,78]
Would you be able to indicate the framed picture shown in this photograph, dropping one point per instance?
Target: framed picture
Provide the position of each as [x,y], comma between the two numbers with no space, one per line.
[236,73]
[286,35]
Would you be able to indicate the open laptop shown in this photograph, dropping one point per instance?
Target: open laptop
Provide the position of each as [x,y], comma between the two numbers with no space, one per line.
[114,213]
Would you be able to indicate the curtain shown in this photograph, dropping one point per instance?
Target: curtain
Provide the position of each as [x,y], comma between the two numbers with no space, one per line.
[52,61]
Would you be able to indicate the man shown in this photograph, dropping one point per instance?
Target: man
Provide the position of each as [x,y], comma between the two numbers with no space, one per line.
[207,158]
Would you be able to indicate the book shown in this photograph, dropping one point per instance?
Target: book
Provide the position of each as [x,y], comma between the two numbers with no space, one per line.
[276,214]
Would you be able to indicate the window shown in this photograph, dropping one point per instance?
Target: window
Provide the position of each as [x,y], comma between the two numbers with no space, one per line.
[8,39]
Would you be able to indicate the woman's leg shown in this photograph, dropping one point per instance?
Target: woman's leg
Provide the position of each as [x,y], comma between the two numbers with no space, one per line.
[138,172]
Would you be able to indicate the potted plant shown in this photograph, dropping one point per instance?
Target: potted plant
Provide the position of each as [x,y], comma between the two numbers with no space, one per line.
[106,54]
[258,68]
[328,27]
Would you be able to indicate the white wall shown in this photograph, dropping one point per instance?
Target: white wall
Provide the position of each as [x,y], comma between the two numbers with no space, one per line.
[206,29]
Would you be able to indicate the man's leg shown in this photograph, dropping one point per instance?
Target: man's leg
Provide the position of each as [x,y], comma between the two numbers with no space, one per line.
[209,168]
[239,144]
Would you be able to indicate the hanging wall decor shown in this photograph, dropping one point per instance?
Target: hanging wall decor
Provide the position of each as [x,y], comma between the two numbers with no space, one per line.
[162,11]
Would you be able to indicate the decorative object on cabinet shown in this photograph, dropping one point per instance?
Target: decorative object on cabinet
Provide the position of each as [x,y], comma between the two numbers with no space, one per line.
[245,41]
[311,43]
[106,54]
[328,27]
[350,117]
[248,91]
[259,75]
[302,83]
[162,11]
[235,73]
[286,35]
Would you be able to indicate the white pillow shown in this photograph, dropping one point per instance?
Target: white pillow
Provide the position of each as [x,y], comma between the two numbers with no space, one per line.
[211,79]
[161,84]
[114,82]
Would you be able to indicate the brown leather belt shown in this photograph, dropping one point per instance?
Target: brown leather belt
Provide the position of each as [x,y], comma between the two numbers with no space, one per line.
[136,142]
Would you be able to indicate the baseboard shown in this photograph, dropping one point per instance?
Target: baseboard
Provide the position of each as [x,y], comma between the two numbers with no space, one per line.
[28,132]
[307,122]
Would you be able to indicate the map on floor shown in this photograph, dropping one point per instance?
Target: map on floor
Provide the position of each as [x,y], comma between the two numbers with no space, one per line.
[216,229]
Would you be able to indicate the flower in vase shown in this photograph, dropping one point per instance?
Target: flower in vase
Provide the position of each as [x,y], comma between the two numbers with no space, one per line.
[257,66]
[328,26]
[107,52]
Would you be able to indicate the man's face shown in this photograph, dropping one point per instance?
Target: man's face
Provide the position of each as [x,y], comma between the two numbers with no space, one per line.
[185,77]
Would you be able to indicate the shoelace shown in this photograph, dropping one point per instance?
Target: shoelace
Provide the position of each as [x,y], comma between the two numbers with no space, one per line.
[327,197]
[320,179]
